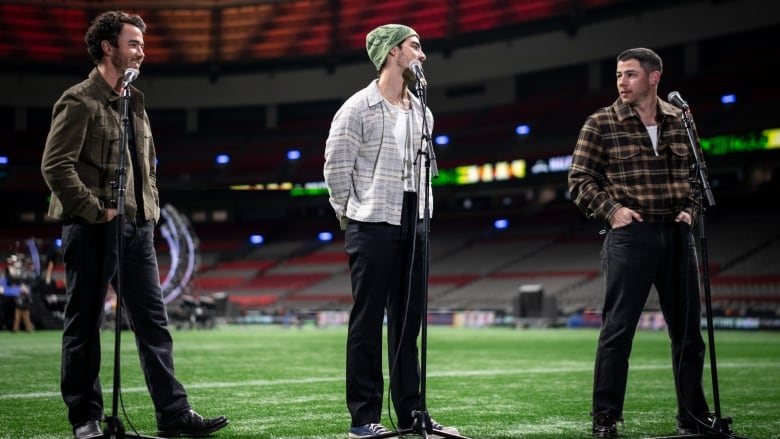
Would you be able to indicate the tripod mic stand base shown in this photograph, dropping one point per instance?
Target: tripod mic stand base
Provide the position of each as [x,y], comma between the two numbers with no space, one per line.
[421,426]
[413,432]
[115,430]
[714,435]
[107,435]
[718,429]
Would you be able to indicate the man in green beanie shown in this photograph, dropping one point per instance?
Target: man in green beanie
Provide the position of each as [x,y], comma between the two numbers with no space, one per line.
[373,180]
[380,41]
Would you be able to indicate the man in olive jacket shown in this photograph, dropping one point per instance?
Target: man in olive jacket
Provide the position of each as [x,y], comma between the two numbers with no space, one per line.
[79,164]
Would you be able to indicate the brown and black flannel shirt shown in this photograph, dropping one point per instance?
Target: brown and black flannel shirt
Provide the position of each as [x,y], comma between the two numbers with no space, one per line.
[614,165]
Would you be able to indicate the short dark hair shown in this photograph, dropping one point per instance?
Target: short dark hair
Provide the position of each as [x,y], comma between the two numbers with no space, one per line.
[107,26]
[648,59]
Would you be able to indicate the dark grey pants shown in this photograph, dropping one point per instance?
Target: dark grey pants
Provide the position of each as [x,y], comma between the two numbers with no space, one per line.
[380,267]
[634,258]
[91,260]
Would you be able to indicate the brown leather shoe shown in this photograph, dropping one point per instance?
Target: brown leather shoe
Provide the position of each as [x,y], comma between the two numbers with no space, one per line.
[189,424]
[87,430]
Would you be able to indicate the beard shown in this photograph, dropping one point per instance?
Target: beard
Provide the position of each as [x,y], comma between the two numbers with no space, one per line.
[119,63]
[408,76]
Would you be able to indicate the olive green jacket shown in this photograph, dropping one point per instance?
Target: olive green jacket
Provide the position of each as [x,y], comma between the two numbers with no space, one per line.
[81,156]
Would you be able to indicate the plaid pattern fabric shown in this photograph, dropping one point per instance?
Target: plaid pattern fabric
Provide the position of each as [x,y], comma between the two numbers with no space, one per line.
[364,168]
[614,165]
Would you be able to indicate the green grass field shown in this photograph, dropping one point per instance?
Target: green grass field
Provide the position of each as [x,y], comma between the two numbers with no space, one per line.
[491,383]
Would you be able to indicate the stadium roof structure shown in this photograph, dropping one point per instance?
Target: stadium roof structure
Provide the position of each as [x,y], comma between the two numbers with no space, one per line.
[235,35]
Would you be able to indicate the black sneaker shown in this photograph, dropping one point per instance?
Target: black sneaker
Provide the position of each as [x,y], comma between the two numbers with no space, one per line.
[705,423]
[604,426]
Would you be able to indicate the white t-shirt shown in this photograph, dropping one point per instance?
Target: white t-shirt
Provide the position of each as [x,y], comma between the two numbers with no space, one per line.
[402,133]
[653,131]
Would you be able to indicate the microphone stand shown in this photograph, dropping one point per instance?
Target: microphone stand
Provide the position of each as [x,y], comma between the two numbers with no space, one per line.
[421,424]
[719,428]
[114,428]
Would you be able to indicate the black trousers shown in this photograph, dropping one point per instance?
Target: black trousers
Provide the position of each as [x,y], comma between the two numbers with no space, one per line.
[380,270]
[633,258]
[91,261]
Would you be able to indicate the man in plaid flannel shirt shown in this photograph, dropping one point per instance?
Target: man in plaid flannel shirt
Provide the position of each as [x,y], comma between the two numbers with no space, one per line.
[632,169]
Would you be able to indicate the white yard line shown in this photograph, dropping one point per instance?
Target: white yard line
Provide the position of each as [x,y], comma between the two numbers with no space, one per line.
[459,373]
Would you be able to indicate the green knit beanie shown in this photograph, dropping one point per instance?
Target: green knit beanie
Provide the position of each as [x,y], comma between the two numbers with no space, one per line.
[381,40]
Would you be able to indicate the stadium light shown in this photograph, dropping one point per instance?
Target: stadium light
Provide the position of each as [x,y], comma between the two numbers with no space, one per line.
[728,99]
[500,224]
[523,130]
[256,239]
[223,159]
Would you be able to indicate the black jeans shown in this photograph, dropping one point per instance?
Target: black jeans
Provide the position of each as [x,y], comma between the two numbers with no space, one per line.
[91,260]
[380,270]
[633,258]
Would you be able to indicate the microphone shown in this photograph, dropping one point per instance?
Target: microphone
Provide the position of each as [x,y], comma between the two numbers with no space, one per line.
[416,67]
[677,100]
[131,75]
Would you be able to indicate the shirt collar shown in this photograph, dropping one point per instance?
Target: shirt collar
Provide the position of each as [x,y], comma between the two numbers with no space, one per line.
[375,96]
[624,111]
[106,91]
